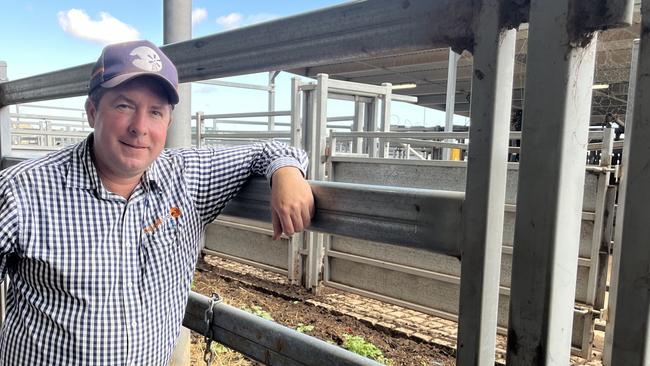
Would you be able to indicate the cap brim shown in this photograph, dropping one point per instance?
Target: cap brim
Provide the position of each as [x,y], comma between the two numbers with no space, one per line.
[172,93]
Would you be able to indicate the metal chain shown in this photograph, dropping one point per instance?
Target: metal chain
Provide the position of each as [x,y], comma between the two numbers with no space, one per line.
[208,355]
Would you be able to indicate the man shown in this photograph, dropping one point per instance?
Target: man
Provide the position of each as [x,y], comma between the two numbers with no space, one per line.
[100,239]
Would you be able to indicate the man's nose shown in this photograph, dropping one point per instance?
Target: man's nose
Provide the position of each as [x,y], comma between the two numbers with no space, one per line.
[138,125]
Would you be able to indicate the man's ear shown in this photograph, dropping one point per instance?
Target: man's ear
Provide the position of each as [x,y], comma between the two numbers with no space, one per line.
[91,112]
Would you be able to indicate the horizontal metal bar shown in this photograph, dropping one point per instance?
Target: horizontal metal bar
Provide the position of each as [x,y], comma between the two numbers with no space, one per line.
[340,119]
[586,215]
[252,135]
[349,158]
[599,145]
[417,218]
[582,262]
[248,262]
[263,340]
[248,114]
[419,135]
[347,97]
[404,269]
[350,31]
[403,98]
[243,224]
[352,87]
[392,300]
[242,122]
[51,107]
[231,84]
[50,118]
[25,132]
[425,143]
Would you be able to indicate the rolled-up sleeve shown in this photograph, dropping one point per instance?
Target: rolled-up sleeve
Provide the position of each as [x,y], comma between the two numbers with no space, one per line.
[215,175]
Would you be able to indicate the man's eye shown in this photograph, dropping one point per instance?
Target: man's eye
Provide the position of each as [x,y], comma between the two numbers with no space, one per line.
[157,113]
[123,106]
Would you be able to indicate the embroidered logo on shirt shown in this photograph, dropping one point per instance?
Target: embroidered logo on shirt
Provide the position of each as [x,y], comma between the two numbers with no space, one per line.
[171,216]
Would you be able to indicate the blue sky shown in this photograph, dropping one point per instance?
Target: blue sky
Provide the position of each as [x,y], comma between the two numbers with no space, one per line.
[44,36]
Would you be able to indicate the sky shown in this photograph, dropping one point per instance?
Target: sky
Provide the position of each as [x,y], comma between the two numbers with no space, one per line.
[44,36]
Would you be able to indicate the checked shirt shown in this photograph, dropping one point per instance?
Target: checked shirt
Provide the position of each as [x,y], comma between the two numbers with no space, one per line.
[96,279]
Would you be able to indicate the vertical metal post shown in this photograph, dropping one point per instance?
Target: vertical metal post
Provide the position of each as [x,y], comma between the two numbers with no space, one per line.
[601,195]
[371,124]
[450,100]
[483,212]
[320,128]
[5,119]
[631,342]
[559,76]
[357,125]
[271,104]
[618,232]
[199,128]
[177,24]
[297,137]
[294,264]
[384,148]
[316,153]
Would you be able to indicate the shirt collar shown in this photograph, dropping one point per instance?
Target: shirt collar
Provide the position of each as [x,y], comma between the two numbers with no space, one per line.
[82,173]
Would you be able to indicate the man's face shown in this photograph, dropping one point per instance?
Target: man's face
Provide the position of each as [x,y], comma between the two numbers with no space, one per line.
[130,125]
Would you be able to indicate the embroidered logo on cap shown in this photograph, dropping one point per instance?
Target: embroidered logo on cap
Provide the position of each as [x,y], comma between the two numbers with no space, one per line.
[146,59]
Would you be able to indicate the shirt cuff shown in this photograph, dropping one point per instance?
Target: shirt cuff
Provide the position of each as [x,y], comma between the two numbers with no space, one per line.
[281,163]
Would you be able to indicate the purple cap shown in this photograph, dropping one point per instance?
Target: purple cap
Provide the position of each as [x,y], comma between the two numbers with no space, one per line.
[122,62]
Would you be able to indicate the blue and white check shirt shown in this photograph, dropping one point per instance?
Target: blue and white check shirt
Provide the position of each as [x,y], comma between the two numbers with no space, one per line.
[96,279]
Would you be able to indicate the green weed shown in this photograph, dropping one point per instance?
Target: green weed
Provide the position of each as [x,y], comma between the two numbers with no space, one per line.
[303,328]
[257,310]
[360,346]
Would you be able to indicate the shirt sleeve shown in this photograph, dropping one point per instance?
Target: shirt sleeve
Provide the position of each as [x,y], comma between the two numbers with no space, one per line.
[8,226]
[214,175]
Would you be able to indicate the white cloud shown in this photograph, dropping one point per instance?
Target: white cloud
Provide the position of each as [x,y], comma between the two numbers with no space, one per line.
[106,30]
[199,15]
[236,20]
[230,21]
[259,18]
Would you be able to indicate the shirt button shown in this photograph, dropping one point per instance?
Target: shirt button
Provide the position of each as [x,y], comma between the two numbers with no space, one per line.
[134,324]
[130,284]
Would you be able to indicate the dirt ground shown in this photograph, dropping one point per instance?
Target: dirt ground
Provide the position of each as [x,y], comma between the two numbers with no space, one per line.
[286,305]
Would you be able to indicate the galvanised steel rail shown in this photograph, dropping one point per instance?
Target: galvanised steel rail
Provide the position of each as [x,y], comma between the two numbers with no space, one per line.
[417,218]
[264,340]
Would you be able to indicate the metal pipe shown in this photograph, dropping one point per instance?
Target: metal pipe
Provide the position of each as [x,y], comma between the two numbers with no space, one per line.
[450,100]
[263,340]
[231,84]
[199,128]
[5,119]
[247,114]
[177,27]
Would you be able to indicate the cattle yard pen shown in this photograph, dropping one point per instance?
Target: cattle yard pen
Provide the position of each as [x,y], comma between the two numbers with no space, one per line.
[511,247]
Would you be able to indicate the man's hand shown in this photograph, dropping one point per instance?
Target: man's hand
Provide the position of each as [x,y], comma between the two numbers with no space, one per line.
[292,203]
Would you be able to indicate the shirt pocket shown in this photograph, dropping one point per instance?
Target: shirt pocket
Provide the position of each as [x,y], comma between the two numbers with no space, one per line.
[159,259]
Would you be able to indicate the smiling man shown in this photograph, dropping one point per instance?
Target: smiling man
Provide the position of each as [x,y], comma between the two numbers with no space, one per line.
[100,239]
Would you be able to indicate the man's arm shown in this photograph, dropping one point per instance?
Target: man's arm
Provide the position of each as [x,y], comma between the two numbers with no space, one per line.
[212,176]
[292,202]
